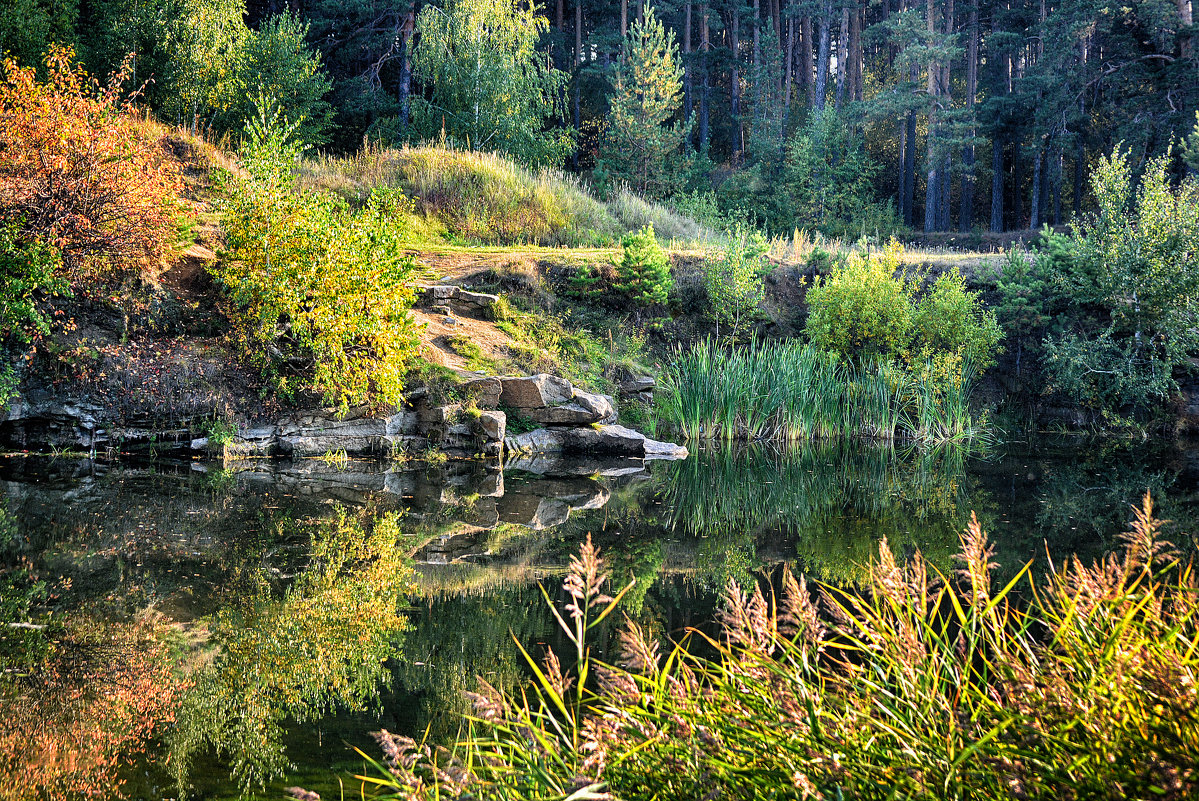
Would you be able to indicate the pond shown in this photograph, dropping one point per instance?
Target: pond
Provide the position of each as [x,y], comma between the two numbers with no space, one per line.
[183,630]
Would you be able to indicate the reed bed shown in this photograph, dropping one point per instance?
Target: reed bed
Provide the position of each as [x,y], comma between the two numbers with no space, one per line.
[787,390]
[922,685]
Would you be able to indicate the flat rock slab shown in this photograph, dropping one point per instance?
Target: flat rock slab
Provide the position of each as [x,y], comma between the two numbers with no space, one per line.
[535,391]
[611,440]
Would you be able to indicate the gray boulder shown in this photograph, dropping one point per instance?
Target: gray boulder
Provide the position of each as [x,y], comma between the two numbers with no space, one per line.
[535,391]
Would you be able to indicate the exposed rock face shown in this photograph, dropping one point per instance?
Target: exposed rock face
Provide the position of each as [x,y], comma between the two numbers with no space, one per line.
[456,299]
[572,421]
[535,391]
[610,440]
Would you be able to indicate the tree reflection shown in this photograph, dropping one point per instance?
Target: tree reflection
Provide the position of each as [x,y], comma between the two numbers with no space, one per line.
[297,652]
[84,708]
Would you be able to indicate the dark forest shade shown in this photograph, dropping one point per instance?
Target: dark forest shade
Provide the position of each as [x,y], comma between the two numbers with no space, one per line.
[1021,95]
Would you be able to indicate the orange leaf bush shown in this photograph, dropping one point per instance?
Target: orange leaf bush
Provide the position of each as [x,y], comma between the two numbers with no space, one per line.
[80,170]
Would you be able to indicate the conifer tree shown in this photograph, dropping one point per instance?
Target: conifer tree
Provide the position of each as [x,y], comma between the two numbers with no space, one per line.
[639,146]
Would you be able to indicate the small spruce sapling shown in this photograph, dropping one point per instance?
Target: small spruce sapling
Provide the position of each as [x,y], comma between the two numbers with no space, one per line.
[643,275]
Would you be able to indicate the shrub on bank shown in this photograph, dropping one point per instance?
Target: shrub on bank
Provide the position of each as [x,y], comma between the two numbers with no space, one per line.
[318,293]
[81,171]
[866,307]
[920,686]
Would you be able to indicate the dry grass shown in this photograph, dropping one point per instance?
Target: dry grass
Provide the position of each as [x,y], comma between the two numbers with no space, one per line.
[484,198]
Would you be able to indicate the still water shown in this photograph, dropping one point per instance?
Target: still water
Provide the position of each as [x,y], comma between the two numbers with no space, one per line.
[176,630]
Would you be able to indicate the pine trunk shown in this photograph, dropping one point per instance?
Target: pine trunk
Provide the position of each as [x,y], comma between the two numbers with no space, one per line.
[705,94]
[735,80]
[842,57]
[822,54]
[688,67]
[578,73]
[932,188]
[996,186]
[806,64]
[966,210]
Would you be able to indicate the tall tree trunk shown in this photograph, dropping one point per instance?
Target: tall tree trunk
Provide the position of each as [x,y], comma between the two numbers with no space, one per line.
[757,38]
[807,67]
[559,21]
[1055,177]
[1186,19]
[406,67]
[943,92]
[997,185]
[705,94]
[909,170]
[842,57]
[855,55]
[735,79]
[932,189]
[788,74]
[1016,193]
[1034,218]
[966,212]
[1080,162]
[688,67]
[822,53]
[905,213]
[624,18]
[578,73]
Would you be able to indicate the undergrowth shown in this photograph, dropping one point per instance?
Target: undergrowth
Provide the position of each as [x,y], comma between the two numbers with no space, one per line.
[920,685]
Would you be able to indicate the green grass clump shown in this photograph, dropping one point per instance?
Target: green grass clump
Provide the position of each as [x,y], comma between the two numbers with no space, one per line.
[922,685]
[792,391]
[485,198]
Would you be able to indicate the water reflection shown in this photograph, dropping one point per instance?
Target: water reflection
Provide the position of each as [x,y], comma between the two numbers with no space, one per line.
[165,626]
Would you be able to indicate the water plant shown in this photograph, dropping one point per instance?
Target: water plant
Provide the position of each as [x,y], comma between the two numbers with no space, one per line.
[793,391]
[920,685]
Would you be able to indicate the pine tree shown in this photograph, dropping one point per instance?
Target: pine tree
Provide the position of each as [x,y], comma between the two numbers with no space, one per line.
[639,147]
[643,274]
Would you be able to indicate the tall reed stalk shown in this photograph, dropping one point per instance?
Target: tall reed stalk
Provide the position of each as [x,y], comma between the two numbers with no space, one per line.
[791,391]
[921,686]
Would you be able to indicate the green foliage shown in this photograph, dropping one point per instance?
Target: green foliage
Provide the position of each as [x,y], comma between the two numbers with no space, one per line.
[638,147]
[643,274]
[1105,374]
[310,279]
[863,309]
[276,61]
[298,652]
[1138,254]
[1190,152]
[1025,287]
[491,88]
[787,390]
[954,690]
[29,270]
[734,280]
[951,319]
[216,66]
[829,180]
[29,27]
[1131,275]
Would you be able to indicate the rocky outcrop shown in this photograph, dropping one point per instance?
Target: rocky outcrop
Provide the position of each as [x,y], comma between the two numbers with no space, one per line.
[638,388]
[608,440]
[454,299]
[569,420]
[535,391]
